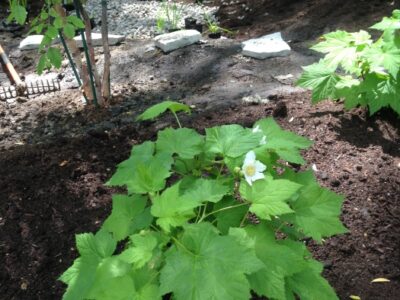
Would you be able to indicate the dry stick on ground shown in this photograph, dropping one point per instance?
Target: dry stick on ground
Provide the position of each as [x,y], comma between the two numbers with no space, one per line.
[106,84]
[81,66]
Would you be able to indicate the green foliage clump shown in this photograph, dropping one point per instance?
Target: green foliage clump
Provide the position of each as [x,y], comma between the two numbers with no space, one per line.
[49,23]
[211,216]
[358,69]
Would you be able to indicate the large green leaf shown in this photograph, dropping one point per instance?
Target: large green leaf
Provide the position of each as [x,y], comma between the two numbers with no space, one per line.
[230,217]
[269,197]
[321,79]
[160,108]
[112,281]
[172,209]
[310,285]
[386,55]
[140,251]
[204,190]
[231,140]
[389,23]
[285,143]
[126,211]
[183,141]
[205,265]
[80,277]
[101,245]
[316,213]
[143,172]
[279,260]
[341,48]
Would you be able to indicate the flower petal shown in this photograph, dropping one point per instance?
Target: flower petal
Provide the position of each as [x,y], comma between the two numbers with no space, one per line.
[250,158]
[256,129]
[257,176]
[260,167]
[263,140]
[248,179]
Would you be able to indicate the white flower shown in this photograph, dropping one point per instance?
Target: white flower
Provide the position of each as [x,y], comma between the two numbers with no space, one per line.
[252,168]
[263,140]
[256,129]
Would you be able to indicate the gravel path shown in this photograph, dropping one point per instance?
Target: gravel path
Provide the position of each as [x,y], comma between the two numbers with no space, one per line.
[137,19]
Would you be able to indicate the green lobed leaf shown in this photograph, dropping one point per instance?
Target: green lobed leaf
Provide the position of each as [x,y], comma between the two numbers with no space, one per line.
[79,278]
[78,23]
[389,23]
[341,48]
[126,212]
[69,30]
[183,141]
[160,108]
[321,79]
[386,55]
[204,265]
[285,143]
[54,56]
[141,250]
[18,12]
[316,213]
[172,209]
[309,284]
[279,260]
[143,172]
[231,140]
[101,245]
[204,190]
[229,218]
[269,197]
[112,281]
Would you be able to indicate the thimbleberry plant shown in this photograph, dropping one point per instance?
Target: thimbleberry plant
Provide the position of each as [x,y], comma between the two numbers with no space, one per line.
[358,69]
[211,216]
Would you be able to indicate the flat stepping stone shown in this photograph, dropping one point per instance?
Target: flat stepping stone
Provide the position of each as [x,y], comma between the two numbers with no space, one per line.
[271,45]
[113,39]
[174,40]
[33,41]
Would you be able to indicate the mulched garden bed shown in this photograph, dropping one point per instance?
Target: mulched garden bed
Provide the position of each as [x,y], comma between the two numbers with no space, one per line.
[52,191]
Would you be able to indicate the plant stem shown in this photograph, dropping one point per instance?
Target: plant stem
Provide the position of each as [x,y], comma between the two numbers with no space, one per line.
[244,219]
[222,209]
[177,119]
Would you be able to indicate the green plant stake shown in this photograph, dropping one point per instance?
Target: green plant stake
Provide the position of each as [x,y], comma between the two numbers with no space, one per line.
[86,50]
[71,61]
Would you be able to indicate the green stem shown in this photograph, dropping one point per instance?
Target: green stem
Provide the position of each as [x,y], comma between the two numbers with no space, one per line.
[244,219]
[222,209]
[177,119]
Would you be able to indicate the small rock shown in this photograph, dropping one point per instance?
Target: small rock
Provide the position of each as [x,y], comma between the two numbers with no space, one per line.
[254,99]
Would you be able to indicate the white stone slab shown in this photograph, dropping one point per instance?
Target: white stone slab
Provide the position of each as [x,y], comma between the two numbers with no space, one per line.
[113,39]
[271,45]
[33,41]
[178,39]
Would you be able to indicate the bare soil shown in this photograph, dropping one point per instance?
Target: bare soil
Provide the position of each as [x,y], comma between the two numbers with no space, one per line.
[56,153]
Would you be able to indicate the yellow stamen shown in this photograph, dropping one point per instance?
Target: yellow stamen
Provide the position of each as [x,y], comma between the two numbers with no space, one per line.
[250,170]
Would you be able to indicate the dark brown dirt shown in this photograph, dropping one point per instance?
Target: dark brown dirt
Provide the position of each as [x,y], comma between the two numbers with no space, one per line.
[56,154]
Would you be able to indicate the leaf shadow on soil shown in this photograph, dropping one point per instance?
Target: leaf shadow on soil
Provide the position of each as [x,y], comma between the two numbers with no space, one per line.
[362,131]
